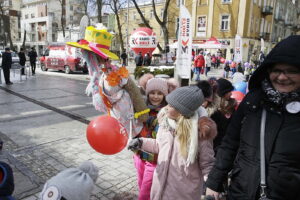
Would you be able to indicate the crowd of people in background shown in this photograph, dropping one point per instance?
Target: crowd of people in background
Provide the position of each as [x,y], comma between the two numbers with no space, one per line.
[200,134]
[7,62]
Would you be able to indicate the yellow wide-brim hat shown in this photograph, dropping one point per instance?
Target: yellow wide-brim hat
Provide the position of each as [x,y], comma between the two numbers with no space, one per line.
[97,41]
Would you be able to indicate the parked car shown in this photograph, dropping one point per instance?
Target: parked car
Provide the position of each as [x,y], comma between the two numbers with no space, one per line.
[63,57]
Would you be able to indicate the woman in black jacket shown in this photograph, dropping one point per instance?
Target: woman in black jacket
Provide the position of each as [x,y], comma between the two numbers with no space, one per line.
[275,87]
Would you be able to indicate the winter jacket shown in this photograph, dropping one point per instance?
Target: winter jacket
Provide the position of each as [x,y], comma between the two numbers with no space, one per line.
[22,58]
[139,60]
[6,60]
[173,179]
[32,56]
[240,148]
[207,61]
[149,130]
[199,61]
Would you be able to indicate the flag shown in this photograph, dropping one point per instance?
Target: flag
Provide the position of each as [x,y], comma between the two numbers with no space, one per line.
[184,48]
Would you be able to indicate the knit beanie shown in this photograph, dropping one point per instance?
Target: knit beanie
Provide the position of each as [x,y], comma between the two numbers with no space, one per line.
[157,84]
[72,183]
[186,99]
[224,86]
[6,180]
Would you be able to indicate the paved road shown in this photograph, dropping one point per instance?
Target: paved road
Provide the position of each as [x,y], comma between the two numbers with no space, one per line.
[43,121]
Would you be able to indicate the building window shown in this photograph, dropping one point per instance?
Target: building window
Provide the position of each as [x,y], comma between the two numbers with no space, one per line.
[226,1]
[32,15]
[161,13]
[26,16]
[125,16]
[180,1]
[134,15]
[71,18]
[225,19]
[201,26]
[177,26]
[202,2]
[33,38]
[151,14]
[71,7]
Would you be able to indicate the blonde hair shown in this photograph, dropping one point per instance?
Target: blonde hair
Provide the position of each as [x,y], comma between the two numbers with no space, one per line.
[183,133]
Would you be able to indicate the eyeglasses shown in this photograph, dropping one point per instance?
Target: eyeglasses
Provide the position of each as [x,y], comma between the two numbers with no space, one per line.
[288,72]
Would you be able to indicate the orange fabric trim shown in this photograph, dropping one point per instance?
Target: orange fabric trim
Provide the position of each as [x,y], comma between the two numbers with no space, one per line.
[105,101]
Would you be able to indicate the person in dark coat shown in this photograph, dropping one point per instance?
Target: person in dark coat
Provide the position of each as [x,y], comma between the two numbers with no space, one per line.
[275,88]
[225,109]
[32,57]
[147,59]
[139,60]
[22,60]
[6,65]
[124,58]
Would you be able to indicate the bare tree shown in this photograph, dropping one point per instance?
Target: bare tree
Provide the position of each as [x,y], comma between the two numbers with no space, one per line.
[99,8]
[162,22]
[115,6]
[24,39]
[6,25]
[63,15]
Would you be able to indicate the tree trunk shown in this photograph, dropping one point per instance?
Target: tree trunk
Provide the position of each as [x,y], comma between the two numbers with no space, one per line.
[119,29]
[99,6]
[24,40]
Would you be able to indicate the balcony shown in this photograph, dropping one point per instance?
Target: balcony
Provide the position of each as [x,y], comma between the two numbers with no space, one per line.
[264,35]
[267,10]
[288,23]
[279,18]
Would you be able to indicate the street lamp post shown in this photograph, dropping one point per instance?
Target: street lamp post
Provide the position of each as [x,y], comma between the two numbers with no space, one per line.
[127,34]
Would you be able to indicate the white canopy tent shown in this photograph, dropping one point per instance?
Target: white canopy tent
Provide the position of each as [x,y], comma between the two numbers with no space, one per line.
[212,43]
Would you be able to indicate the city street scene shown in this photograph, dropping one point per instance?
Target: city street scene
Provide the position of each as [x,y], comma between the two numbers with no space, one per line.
[149,99]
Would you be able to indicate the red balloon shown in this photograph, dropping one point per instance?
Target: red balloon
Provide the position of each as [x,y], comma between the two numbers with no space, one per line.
[106,135]
[222,60]
[143,40]
[233,65]
[238,96]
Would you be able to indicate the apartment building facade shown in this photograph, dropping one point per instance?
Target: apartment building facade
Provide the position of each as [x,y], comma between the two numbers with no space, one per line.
[10,22]
[41,19]
[253,20]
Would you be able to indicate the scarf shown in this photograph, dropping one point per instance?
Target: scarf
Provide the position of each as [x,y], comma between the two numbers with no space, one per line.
[171,125]
[284,101]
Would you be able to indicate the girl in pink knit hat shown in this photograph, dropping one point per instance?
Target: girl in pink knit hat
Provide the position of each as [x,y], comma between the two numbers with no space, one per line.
[156,90]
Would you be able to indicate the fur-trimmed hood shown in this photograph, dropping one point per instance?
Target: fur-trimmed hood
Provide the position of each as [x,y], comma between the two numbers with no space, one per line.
[207,128]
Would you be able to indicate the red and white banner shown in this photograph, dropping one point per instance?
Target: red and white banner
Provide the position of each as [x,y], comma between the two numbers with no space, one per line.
[238,49]
[184,49]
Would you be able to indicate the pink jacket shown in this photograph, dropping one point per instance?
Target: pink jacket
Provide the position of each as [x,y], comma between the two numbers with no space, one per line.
[173,179]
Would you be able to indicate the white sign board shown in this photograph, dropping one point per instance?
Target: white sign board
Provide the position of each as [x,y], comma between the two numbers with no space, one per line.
[184,49]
